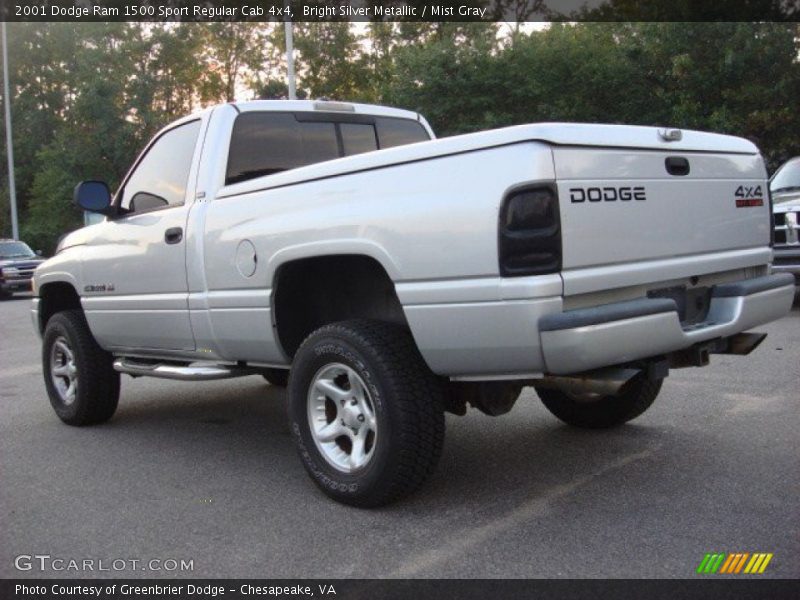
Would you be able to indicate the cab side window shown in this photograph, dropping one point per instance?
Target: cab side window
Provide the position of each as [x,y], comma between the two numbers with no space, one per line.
[161,177]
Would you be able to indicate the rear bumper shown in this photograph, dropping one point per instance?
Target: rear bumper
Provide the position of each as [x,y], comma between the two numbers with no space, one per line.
[579,340]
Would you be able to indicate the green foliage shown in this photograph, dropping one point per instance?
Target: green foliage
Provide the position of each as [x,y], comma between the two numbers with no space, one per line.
[736,78]
[450,76]
[87,97]
[330,61]
[230,51]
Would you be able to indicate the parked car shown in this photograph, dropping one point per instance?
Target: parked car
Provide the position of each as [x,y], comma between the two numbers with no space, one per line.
[17,263]
[785,189]
[394,277]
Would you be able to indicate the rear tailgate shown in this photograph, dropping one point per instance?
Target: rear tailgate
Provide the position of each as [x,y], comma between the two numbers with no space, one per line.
[636,208]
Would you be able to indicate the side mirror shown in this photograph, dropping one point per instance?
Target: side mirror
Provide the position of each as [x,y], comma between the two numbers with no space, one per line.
[93,196]
[39,253]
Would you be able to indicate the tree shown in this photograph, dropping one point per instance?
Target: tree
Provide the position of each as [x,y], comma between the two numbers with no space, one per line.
[87,97]
[330,61]
[235,53]
[41,59]
[450,77]
[742,81]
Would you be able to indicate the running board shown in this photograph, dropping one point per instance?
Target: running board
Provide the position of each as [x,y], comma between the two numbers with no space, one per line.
[179,371]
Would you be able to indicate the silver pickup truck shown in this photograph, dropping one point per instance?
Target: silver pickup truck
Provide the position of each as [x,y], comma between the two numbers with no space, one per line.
[390,277]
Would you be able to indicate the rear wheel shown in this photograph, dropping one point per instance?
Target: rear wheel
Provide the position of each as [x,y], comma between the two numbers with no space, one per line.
[600,412]
[366,412]
[78,374]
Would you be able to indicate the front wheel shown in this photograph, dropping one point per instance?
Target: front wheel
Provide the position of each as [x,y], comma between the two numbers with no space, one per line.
[601,412]
[78,374]
[365,412]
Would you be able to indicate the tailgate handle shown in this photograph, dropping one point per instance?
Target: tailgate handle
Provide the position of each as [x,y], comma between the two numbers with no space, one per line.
[677,165]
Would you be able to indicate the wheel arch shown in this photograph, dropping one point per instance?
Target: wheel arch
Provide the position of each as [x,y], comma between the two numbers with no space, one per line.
[54,297]
[309,292]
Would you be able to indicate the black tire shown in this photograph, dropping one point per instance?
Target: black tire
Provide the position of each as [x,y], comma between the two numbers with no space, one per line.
[97,389]
[276,377]
[404,396]
[4,295]
[603,411]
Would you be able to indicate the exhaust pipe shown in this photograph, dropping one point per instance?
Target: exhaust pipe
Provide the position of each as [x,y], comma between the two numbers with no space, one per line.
[744,343]
[605,382]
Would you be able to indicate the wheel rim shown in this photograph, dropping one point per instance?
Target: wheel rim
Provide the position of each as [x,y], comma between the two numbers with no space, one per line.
[341,417]
[63,370]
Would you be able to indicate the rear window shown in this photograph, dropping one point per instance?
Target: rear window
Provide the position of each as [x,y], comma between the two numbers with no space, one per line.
[263,143]
[358,138]
[398,132]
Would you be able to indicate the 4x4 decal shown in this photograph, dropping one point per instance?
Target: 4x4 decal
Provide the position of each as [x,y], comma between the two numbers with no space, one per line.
[749,196]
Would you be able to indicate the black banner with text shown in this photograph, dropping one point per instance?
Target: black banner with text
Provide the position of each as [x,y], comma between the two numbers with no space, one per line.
[395,589]
[397,10]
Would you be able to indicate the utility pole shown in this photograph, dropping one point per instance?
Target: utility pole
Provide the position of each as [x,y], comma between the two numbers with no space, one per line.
[287,24]
[12,189]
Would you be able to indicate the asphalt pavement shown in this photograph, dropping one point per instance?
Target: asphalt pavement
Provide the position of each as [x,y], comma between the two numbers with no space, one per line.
[206,472]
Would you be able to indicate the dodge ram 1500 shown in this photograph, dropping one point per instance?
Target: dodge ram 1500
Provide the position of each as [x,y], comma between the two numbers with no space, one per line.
[390,277]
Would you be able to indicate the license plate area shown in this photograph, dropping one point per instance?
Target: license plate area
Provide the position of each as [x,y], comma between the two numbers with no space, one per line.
[693,303]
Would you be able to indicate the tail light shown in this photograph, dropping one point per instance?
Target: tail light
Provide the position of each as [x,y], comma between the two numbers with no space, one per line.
[530,233]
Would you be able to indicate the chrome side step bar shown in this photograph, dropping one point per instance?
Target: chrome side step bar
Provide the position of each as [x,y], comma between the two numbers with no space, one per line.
[183,372]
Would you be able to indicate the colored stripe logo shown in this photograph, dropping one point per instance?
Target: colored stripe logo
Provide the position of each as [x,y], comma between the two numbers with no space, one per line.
[734,563]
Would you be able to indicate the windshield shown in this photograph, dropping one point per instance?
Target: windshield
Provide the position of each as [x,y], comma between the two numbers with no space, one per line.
[15,250]
[787,178]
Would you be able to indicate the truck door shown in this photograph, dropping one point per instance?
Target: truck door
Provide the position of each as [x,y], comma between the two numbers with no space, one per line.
[134,275]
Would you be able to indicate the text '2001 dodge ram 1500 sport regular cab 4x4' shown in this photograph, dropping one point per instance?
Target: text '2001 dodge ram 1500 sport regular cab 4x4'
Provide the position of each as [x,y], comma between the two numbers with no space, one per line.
[391,277]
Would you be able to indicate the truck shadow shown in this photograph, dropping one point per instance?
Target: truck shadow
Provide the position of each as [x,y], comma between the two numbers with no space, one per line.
[520,455]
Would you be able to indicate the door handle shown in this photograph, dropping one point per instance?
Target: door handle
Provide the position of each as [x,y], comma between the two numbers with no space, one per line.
[173,235]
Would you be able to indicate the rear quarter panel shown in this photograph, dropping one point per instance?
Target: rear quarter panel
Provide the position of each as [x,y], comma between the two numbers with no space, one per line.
[428,220]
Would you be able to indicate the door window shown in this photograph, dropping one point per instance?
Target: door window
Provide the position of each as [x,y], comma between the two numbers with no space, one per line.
[160,178]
